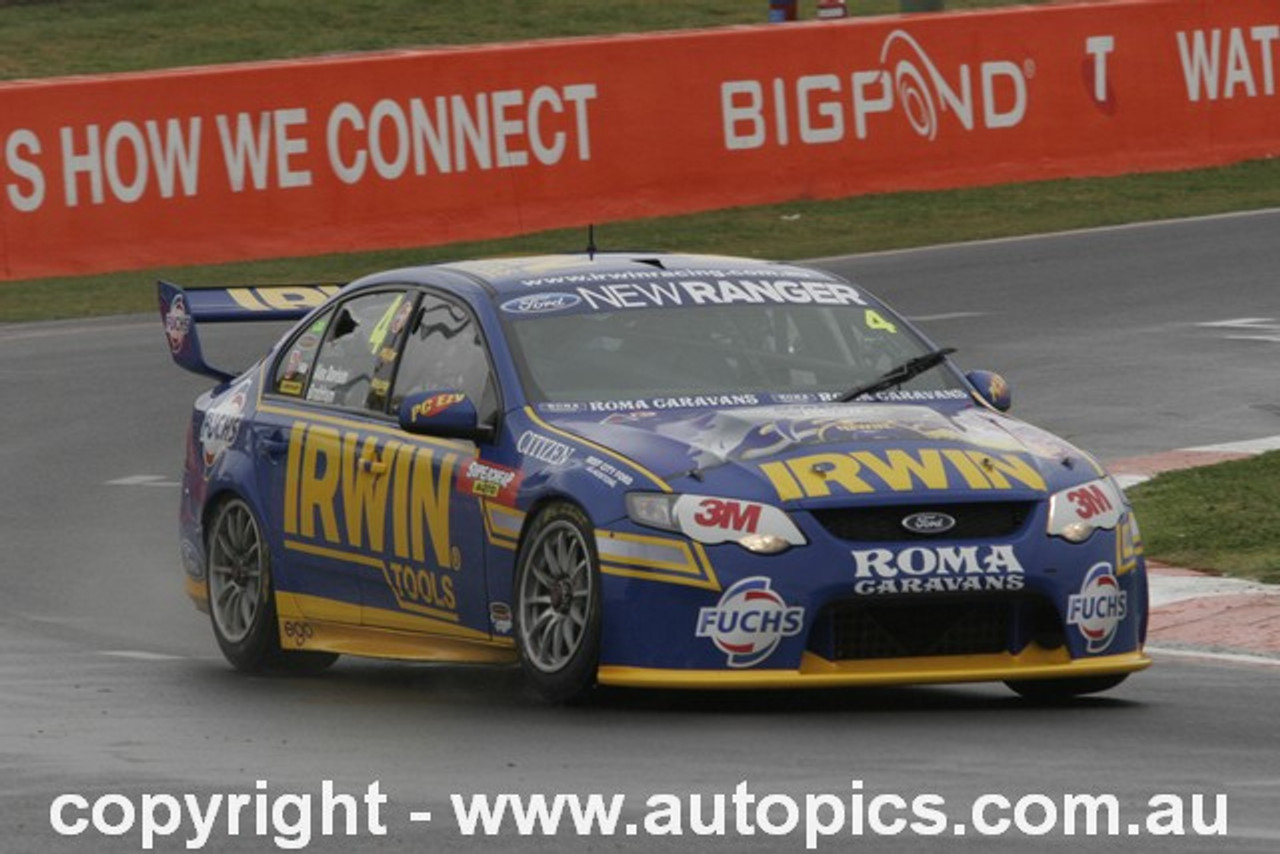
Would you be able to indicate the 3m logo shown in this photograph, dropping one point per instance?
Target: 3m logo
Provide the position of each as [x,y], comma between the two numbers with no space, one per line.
[1098,503]
[712,520]
[729,515]
[1090,501]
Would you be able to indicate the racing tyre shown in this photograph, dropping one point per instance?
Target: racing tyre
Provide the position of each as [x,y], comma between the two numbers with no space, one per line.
[557,607]
[241,605]
[1065,689]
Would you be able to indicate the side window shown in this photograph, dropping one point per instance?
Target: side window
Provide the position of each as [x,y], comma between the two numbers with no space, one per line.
[357,356]
[444,351]
[293,370]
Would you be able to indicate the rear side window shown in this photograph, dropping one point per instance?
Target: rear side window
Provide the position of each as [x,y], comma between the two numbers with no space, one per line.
[293,371]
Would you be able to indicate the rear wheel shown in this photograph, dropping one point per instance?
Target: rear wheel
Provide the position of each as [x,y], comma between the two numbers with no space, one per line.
[557,613]
[1064,689]
[241,605]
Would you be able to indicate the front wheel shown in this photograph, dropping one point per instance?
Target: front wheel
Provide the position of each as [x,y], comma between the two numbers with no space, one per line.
[1065,689]
[241,605]
[557,613]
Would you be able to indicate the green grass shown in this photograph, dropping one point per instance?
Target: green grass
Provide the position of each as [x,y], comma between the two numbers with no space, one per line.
[1224,517]
[44,38]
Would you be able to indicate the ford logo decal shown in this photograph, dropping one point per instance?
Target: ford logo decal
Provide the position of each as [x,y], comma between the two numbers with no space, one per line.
[541,303]
[929,523]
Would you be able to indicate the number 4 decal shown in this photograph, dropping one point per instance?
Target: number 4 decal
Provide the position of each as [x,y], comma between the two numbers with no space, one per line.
[876,321]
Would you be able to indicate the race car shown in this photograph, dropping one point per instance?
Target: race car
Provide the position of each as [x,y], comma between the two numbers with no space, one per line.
[640,469]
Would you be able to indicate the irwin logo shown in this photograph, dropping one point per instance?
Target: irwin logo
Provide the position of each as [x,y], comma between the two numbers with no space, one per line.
[345,492]
[863,472]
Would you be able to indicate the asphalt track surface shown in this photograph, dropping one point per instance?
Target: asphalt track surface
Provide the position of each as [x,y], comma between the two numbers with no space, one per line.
[1127,341]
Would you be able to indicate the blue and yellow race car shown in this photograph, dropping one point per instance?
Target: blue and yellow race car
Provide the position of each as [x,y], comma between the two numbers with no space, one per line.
[642,470]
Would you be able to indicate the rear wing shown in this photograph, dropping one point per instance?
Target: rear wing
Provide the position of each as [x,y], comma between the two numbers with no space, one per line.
[182,311]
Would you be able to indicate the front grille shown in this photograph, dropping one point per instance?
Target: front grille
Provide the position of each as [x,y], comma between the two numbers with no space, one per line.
[884,524]
[913,627]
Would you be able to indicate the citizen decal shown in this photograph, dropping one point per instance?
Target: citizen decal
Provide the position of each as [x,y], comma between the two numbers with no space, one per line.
[543,448]
[937,569]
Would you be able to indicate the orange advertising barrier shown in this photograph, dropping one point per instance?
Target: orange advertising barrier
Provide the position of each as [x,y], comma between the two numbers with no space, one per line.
[426,147]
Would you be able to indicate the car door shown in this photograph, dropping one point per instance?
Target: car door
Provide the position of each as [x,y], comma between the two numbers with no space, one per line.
[435,550]
[329,447]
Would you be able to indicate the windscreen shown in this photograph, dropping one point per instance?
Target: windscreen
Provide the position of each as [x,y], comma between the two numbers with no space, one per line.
[760,350]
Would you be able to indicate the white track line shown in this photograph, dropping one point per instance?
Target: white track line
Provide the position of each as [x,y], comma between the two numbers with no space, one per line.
[140,655]
[1023,238]
[1227,657]
[1248,446]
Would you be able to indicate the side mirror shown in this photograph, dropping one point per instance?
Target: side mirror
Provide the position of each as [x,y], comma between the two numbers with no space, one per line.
[448,414]
[992,388]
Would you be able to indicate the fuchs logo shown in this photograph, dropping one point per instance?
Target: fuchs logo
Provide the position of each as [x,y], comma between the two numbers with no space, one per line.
[1098,608]
[749,622]
[177,323]
[929,523]
[221,425]
[541,303]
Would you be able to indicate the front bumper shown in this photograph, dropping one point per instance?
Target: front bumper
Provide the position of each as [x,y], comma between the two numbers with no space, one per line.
[1026,606]
[818,672]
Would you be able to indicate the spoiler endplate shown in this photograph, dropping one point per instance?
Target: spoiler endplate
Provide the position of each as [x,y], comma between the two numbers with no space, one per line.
[183,310]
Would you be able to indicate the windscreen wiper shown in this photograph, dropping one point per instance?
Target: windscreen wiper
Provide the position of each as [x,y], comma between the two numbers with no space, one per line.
[897,376]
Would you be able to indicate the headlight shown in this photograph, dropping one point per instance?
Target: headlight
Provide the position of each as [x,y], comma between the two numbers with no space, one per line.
[1075,513]
[759,528]
[653,509]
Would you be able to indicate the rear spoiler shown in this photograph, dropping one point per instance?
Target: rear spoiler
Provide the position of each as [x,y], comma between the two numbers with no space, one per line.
[182,310]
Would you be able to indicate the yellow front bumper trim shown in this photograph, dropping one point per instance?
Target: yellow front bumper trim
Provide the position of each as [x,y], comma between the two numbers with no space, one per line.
[818,672]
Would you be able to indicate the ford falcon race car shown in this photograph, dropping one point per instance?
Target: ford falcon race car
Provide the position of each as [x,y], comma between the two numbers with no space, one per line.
[640,470]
